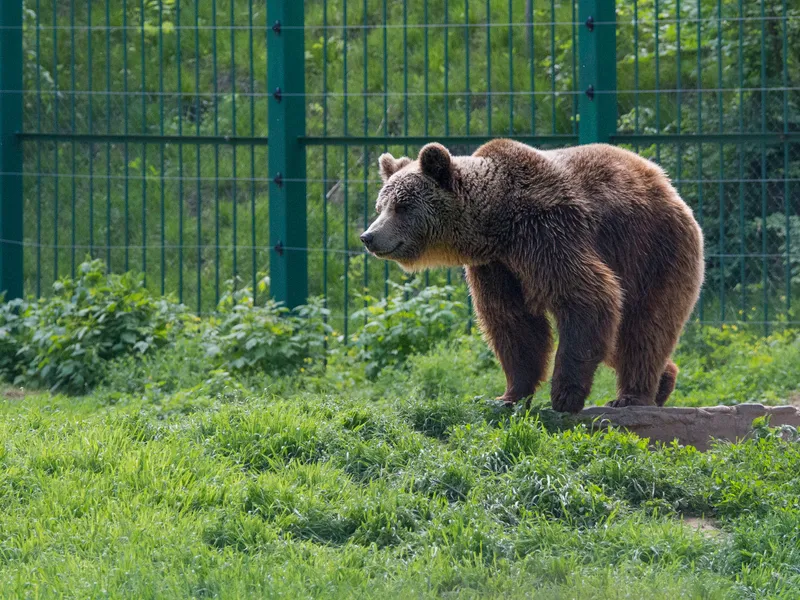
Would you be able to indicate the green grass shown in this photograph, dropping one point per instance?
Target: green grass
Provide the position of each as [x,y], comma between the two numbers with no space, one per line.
[190,483]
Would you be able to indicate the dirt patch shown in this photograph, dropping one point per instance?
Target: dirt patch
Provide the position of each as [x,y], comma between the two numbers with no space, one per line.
[705,527]
[14,394]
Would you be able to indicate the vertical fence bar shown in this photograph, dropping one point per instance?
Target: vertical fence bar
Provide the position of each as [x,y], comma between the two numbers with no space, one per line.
[386,119]
[126,166]
[636,68]
[426,89]
[57,128]
[488,68]
[90,87]
[405,70]
[216,147]
[72,128]
[574,77]
[143,91]
[786,197]
[179,60]
[598,71]
[251,52]
[425,81]
[198,165]
[657,27]
[468,106]
[763,83]
[742,265]
[678,116]
[234,161]
[366,133]
[345,175]
[446,92]
[161,131]
[574,52]
[700,218]
[108,131]
[38,151]
[11,276]
[467,38]
[553,65]
[532,65]
[325,151]
[721,189]
[511,67]
[287,158]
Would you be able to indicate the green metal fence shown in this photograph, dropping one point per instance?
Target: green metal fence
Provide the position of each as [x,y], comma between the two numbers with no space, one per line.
[136,131]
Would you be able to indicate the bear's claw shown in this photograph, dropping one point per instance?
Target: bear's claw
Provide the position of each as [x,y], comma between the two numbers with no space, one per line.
[629,400]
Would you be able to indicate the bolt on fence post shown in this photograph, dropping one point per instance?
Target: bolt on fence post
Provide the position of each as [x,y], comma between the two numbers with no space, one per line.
[597,44]
[287,156]
[10,148]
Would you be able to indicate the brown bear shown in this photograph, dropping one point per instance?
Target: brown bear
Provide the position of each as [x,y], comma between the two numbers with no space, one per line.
[594,235]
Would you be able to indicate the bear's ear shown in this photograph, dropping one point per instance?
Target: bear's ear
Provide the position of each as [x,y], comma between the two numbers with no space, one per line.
[389,165]
[435,161]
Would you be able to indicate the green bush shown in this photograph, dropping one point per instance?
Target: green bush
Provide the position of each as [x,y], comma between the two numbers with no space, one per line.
[268,338]
[179,366]
[12,324]
[98,327]
[61,342]
[409,321]
[729,366]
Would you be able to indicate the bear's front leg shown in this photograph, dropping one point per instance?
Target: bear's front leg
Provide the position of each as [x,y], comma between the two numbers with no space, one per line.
[587,325]
[521,341]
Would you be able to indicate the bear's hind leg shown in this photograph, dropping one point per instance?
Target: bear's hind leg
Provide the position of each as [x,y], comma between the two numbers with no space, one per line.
[667,383]
[585,338]
[588,319]
[521,341]
[645,374]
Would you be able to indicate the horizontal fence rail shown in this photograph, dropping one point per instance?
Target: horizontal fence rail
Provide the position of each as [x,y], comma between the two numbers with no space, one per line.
[226,143]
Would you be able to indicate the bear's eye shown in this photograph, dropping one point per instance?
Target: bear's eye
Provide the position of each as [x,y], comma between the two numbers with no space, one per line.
[399,209]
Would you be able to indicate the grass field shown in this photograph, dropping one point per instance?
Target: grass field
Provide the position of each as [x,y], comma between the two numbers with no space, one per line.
[174,479]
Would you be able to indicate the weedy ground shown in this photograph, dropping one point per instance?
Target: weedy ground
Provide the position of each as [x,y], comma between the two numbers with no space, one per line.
[256,454]
[176,478]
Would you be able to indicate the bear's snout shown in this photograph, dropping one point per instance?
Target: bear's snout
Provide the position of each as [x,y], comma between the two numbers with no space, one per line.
[367,238]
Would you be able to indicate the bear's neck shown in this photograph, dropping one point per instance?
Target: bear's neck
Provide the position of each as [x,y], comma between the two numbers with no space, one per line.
[481,185]
[476,229]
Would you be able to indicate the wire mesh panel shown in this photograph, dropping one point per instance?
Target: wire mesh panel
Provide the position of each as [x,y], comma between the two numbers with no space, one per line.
[710,90]
[145,129]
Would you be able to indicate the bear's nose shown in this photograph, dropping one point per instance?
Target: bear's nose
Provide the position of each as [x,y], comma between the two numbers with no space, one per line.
[367,238]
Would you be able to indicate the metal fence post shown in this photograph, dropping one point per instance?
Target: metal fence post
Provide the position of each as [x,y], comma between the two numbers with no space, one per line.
[10,148]
[598,70]
[287,157]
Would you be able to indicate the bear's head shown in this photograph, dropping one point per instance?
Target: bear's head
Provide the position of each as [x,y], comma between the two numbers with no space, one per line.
[416,207]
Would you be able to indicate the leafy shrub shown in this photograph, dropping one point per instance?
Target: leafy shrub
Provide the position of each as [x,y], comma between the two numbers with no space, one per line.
[762,430]
[12,324]
[409,321]
[727,365]
[61,342]
[268,338]
[179,366]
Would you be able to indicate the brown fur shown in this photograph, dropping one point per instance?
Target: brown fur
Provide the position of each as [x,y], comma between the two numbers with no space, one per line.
[595,235]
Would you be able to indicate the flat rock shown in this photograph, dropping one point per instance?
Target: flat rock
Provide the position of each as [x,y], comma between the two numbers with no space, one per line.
[691,426]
